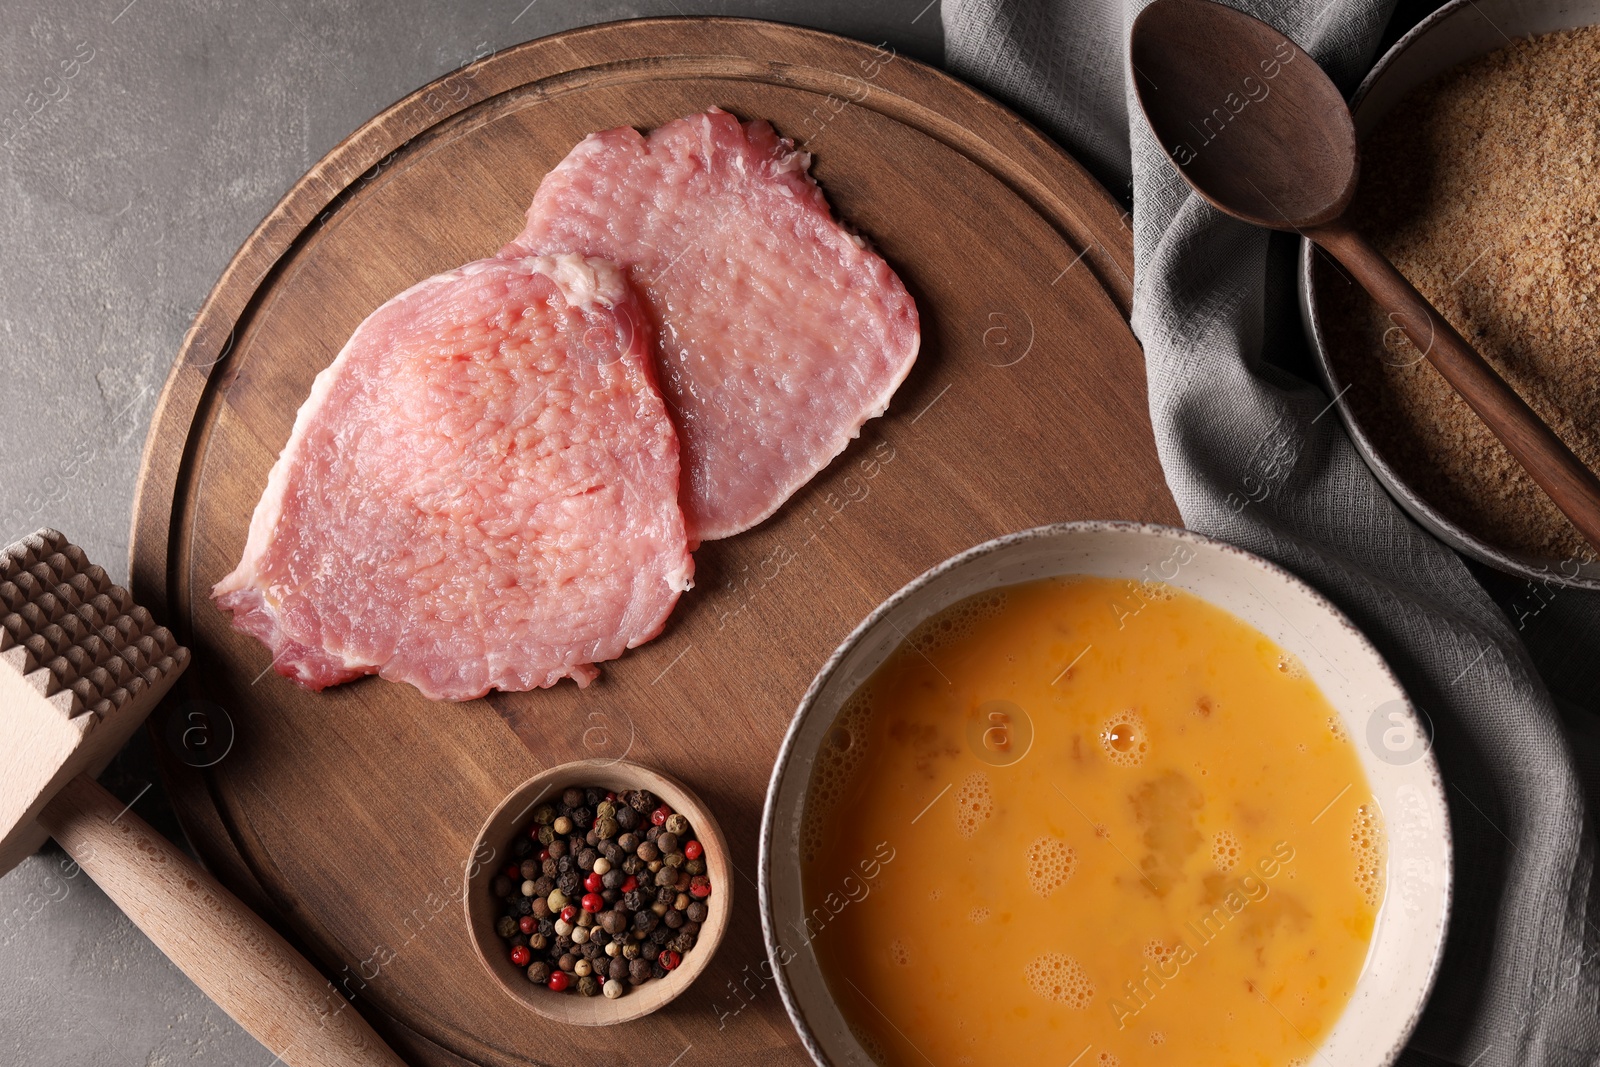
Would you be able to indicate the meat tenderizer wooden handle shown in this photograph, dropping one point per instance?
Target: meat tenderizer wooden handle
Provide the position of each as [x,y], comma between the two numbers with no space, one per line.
[225,948]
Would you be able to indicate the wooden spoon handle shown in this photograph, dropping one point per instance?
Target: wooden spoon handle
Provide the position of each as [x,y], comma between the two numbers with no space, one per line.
[229,951]
[1573,487]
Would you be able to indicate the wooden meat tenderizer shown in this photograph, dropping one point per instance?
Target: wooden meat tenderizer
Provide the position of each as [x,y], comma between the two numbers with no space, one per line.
[82,667]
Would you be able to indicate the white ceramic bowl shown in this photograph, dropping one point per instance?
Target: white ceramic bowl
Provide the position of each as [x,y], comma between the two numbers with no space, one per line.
[1458,31]
[1409,936]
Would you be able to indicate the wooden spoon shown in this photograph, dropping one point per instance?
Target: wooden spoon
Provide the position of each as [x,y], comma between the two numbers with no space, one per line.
[1258,130]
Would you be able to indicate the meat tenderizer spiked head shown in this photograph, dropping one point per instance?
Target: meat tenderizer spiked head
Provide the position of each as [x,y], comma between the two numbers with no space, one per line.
[81,665]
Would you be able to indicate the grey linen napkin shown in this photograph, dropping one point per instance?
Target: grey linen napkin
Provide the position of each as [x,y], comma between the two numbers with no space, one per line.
[1255,456]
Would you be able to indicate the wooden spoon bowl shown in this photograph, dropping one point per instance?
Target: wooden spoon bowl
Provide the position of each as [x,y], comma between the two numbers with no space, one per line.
[1259,131]
[489,854]
[1239,90]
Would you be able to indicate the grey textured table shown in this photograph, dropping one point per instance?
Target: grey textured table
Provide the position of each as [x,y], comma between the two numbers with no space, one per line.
[142,143]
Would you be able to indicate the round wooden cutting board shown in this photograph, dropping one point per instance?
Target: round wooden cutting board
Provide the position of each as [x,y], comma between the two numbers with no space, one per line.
[347,816]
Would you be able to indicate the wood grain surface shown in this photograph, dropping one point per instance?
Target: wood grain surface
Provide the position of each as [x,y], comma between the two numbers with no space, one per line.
[349,815]
[235,958]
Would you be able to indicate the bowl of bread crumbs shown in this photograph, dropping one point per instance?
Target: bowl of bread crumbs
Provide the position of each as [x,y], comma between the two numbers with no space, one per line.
[1480,145]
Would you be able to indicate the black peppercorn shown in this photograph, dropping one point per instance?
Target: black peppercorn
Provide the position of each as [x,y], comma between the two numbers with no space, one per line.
[615,841]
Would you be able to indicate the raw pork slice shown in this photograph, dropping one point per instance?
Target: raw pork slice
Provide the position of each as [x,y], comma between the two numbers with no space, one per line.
[481,491]
[779,332]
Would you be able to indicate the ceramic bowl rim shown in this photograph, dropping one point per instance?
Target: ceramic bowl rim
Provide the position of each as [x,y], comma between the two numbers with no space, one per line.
[1050,531]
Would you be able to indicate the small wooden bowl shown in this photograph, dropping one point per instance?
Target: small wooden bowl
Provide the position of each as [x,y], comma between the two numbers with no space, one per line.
[488,857]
